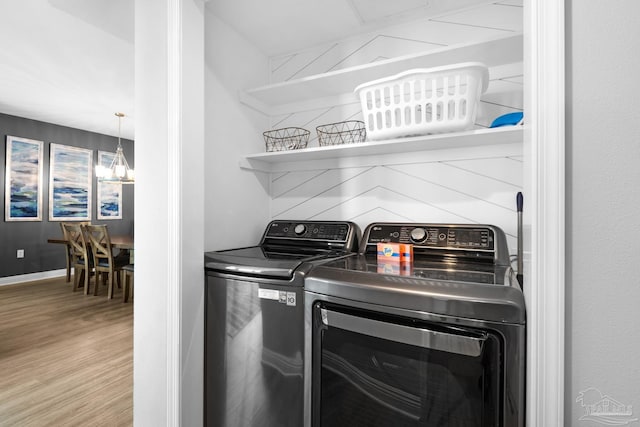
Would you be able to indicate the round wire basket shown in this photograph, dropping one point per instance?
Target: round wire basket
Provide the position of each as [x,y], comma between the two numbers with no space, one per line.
[290,138]
[347,132]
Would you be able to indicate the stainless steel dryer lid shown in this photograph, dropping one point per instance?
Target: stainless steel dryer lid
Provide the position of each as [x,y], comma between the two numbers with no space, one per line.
[490,303]
[459,270]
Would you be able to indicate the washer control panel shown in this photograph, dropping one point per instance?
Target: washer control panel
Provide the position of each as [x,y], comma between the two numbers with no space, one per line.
[310,230]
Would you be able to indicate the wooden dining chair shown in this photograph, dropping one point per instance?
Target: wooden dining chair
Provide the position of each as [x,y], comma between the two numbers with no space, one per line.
[81,257]
[127,289]
[68,252]
[69,248]
[105,264]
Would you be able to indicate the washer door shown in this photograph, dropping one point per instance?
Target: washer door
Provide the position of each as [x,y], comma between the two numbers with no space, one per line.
[254,364]
[371,369]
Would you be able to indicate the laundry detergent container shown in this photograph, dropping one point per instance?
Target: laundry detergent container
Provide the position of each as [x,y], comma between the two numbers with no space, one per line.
[423,101]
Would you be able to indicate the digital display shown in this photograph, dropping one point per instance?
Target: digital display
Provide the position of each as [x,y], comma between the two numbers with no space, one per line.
[471,238]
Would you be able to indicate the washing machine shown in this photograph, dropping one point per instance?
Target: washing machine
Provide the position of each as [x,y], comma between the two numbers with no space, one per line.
[254,322]
[439,341]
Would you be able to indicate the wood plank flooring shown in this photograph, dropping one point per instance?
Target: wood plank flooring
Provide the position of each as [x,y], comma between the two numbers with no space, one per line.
[66,359]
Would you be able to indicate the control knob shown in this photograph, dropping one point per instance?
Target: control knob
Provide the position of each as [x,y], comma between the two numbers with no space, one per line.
[418,235]
[300,229]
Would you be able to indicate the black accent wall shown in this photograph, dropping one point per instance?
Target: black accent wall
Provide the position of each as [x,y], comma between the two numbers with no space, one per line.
[32,235]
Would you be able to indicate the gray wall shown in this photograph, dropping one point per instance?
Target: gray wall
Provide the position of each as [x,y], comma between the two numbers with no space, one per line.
[603,205]
[32,236]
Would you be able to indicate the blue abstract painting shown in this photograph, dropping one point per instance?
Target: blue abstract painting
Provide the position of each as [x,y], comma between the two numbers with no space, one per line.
[70,183]
[23,181]
[109,193]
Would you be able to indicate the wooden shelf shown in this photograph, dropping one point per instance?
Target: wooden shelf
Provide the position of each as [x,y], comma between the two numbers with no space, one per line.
[339,154]
[341,83]
[503,55]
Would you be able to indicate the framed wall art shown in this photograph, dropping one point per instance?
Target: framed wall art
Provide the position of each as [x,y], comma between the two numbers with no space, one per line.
[23,180]
[109,193]
[70,178]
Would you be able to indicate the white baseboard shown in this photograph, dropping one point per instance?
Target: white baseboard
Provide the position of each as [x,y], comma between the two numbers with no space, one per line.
[12,280]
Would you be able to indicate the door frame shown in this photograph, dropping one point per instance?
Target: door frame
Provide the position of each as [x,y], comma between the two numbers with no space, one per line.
[544,190]
[544,209]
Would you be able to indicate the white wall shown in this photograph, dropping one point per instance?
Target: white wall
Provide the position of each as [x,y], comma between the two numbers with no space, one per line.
[603,204]
[168,306]
[470,185]
[236,200]
[448,186]
[178,66]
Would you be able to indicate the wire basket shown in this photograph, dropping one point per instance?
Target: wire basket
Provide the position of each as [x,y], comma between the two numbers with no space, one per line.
[290,138]
[346,132]
[423,101]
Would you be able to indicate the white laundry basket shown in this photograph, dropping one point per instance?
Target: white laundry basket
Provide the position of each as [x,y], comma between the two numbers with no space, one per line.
[423,101]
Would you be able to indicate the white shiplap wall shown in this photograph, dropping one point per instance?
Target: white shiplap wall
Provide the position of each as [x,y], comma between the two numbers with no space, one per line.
[462,185]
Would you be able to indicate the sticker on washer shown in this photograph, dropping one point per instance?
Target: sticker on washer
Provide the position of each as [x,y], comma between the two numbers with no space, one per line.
[288,298]
[269,294]
[291,298]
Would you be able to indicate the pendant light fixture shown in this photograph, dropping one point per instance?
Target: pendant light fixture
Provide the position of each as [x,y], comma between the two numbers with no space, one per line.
[119,170]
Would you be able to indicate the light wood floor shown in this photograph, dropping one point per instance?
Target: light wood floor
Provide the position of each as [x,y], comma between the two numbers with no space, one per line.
[66,359]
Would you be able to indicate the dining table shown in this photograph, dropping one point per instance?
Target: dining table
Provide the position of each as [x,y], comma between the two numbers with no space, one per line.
[117,241]
[124,242]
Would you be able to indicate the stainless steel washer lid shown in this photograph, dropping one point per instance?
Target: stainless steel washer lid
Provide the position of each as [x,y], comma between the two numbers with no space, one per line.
[492,303]
[256,261]
[285,247]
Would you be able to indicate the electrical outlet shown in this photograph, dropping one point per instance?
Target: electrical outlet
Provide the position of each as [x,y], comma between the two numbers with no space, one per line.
[20,253]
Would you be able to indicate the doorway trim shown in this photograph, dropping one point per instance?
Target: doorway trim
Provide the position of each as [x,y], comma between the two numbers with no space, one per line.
[544,214]
[544,174]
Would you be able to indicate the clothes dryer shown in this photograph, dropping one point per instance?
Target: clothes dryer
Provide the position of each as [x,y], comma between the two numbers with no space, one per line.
[436,342]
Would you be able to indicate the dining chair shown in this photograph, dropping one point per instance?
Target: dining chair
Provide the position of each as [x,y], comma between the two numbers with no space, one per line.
[105,264]
[81,257]
[69,248]
[127,288]
[68,252]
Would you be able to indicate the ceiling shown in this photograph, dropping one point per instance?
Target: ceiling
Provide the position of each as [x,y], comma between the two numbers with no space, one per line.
[283,26]
[71,62]
[68,62]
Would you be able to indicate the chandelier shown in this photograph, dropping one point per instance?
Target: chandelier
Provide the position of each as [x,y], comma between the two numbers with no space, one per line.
[119,170]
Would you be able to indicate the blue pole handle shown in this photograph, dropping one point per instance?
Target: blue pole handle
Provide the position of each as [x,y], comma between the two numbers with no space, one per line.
[519,201]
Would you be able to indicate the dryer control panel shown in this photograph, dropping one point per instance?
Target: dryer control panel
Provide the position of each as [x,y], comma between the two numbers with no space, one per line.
[434,236]
[454,240]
